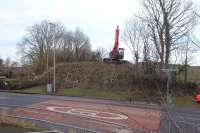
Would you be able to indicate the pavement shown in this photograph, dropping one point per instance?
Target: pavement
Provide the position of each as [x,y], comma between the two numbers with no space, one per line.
[91,114]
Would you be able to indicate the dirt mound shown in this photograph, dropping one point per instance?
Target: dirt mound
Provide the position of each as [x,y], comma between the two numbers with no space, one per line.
[89,75]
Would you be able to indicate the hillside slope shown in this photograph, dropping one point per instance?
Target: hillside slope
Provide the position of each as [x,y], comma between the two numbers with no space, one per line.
[89,75]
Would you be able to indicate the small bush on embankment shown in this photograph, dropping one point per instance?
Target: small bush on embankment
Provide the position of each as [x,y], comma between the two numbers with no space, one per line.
[21,83]
[189,88]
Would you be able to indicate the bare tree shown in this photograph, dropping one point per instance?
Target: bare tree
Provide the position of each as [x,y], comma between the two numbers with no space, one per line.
[99,54]
[7,64]
[37,46]
[1,65]
[169,21]
[132,36]
[193,38]
[186,55]
[81,46]
[136,36]
[14,64]
[1,61]
[75,46]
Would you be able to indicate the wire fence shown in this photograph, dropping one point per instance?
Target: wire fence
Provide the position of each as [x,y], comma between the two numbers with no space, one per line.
[178,123]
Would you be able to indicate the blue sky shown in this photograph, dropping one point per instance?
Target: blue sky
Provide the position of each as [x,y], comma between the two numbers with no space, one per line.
[97,18]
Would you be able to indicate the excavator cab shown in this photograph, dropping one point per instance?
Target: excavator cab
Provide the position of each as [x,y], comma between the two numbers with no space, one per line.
[117,54]
[121,53]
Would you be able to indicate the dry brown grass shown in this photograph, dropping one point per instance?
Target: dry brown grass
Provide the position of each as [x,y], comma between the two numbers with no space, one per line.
[7,120]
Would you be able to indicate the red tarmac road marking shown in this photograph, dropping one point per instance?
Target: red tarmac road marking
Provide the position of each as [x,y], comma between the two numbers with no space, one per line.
[77,113]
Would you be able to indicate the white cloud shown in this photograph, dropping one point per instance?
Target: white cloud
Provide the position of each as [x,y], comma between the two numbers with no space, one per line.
[97,18]
[9,51]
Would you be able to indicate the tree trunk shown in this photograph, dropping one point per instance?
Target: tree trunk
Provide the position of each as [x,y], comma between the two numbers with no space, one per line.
[186,69]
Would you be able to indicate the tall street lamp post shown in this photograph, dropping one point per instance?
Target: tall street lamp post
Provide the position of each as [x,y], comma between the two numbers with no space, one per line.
[54,57]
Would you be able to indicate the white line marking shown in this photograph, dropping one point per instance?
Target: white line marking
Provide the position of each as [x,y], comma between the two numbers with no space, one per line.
[87,113]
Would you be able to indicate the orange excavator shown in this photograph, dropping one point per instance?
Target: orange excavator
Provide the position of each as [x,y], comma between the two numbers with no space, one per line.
[116,56]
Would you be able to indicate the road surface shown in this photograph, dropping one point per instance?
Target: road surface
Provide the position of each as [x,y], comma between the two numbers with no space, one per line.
[93,114]
[183,120]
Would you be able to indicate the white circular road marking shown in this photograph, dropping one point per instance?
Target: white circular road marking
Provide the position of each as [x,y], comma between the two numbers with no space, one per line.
[87,113]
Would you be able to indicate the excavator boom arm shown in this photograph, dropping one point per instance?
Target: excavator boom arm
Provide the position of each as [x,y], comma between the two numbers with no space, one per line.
[116,45]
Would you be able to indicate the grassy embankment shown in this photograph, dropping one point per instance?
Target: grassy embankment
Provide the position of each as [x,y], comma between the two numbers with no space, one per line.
[106,94]
[188,100]
[181,101]
[33,90]
[185,101]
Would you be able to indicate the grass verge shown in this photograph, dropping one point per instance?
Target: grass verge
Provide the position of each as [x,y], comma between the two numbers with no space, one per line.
[95,93]
[106,94]
[185,101]
[33,90]
[10,121]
